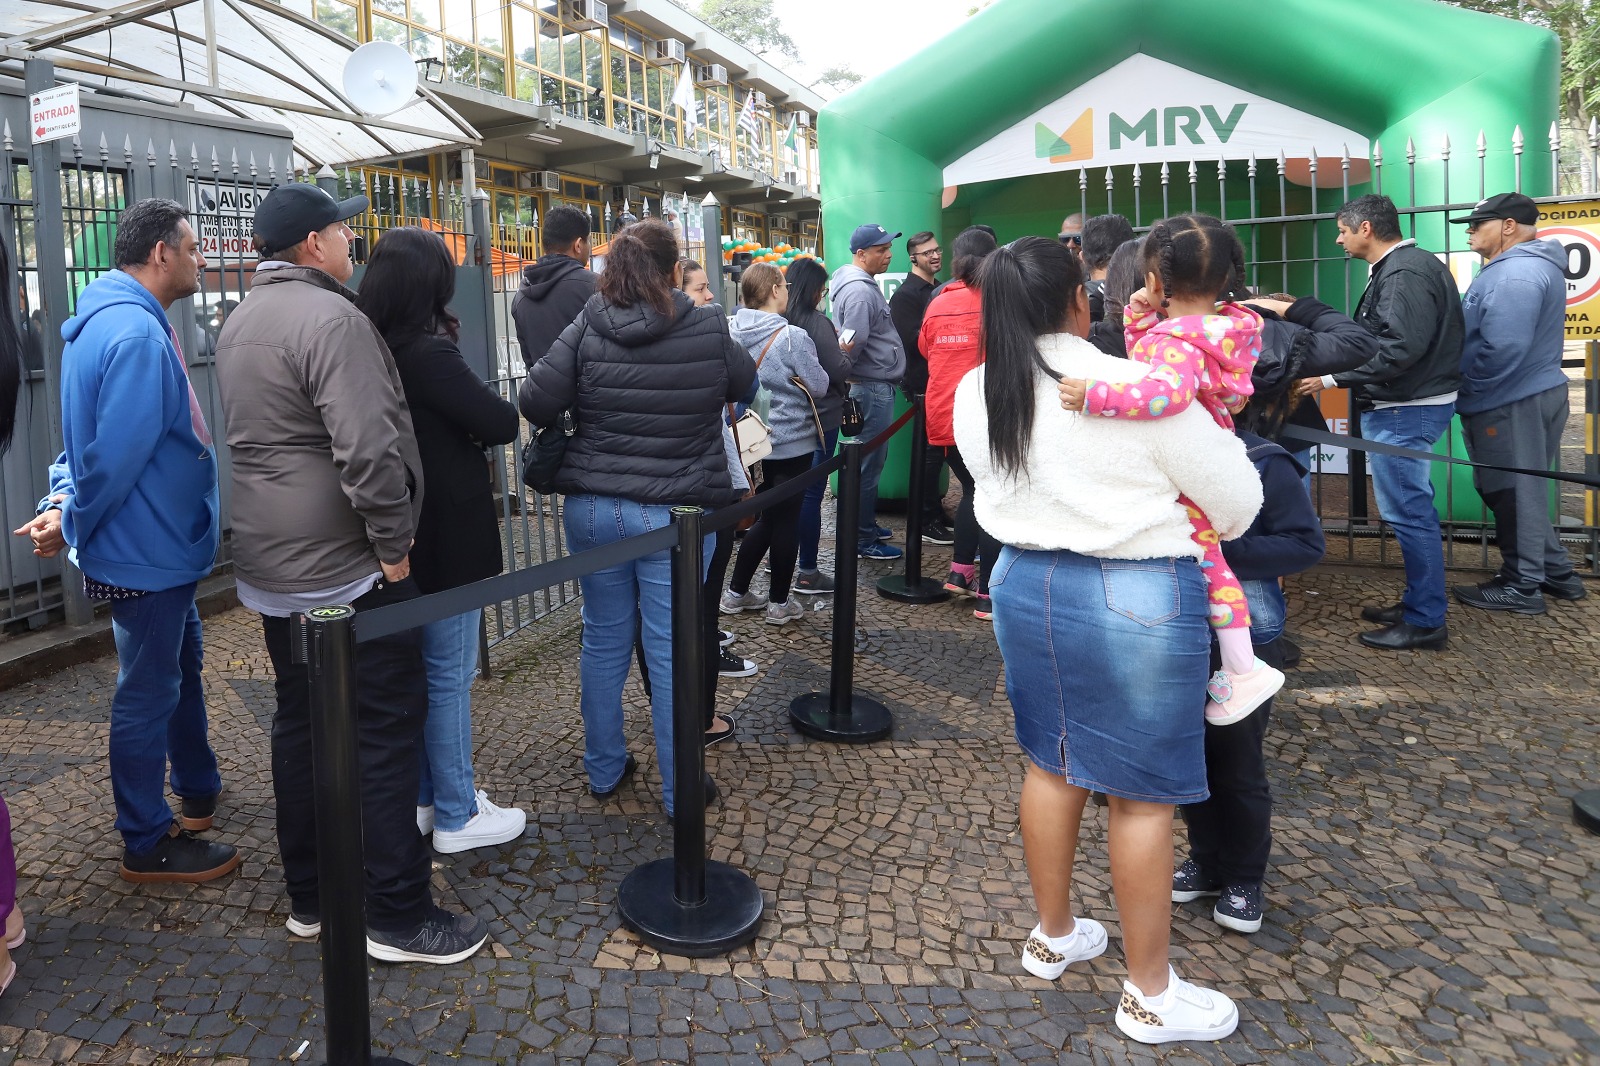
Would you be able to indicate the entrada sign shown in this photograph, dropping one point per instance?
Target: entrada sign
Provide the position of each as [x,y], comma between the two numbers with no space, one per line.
[1145,110]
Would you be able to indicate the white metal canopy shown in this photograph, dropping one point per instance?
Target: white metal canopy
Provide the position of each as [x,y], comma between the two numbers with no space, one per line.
[259,62]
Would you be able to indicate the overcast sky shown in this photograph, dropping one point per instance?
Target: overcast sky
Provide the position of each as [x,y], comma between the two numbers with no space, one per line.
[869,35]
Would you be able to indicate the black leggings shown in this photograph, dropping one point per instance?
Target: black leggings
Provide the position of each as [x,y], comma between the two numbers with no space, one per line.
[778,529]
[971,539]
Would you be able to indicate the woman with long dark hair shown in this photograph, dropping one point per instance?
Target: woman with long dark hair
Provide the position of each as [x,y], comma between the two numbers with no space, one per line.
[646,373]
[1101,616]
[406,292]
[808,287]
[10,389]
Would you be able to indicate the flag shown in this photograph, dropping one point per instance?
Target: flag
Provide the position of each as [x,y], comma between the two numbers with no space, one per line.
[791,140]
[747,115]
[683,96]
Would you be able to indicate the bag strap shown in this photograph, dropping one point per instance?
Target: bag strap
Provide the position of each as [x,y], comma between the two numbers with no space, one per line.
[768,348]
[733,424]
[822,438]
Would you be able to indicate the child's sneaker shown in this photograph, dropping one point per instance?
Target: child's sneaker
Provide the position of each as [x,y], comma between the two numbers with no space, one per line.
[960,584]
[1048,957]
[1239,908]
[1182,1012]
[734,602]
[1235,696]
[984,608]
[1190,882]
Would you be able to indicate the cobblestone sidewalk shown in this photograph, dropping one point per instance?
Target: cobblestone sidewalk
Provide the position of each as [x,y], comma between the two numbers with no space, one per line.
[1429,899]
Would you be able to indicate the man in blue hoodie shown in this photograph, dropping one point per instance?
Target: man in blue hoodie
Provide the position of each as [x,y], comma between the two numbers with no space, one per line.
[135,496]
[1513,400]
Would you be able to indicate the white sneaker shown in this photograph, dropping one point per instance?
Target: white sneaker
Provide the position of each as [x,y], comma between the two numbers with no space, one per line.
[782,613]
[733,603]
[1048,957]
[425,819]
[1182,1012]
[491,825]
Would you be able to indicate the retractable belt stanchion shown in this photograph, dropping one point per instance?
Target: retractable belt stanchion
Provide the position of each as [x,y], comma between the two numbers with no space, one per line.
[911,586]
[688,905]
[841,714]
[328,648]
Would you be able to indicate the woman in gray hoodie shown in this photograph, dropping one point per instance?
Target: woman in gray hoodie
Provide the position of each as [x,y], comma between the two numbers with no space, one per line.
[786,360]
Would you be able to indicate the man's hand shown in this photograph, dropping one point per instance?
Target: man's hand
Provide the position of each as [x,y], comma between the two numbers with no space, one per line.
[1073,391]
[1308,386]
[45,532]
[396,571]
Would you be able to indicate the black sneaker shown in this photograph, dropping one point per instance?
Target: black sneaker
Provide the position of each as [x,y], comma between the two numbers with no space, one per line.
[1189,882]
[180,858]
[938,533]
[627,771]
[1564,588]
[1491,595]
[734,666]
[961,584]
[443,938]
[724,638]
[815,583]
[1239,908]
[198,812]
[306,925]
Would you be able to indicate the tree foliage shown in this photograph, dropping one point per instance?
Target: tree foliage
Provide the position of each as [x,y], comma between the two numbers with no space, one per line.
[752,23]
[841,77]
[1574,22]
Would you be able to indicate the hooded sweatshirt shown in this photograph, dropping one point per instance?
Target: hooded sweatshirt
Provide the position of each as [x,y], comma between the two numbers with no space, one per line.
[553,292]
[143,509]
[1515,318]
[859,304]
[1204,357]
[793,425]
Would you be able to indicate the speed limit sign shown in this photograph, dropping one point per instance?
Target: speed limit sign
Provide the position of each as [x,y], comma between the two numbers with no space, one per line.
[1577,227]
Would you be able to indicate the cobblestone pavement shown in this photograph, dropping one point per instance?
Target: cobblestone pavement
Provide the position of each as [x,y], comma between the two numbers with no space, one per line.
[1429,898]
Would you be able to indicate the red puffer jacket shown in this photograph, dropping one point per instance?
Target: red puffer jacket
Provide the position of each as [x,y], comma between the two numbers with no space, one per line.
[949,342]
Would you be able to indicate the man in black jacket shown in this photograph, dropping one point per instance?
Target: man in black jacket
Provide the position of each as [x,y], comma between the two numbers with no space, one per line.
[1406,396]
[907,307]
[555,288]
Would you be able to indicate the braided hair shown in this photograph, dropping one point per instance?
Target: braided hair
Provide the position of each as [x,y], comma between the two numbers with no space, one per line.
[1195,256]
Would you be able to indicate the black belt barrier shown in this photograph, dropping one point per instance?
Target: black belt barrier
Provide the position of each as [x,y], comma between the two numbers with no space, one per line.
[1361,444]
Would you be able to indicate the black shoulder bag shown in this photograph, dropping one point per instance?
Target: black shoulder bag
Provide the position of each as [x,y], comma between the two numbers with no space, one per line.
[545,451]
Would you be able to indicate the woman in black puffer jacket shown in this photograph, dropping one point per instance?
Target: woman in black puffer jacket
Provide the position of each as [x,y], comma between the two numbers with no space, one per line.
[647,375]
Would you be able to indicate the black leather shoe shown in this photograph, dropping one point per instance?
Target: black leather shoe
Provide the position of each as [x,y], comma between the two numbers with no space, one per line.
[1565,588]
[181,858]
[627,771]
[1386,616]
[1491,595]
[1403,635]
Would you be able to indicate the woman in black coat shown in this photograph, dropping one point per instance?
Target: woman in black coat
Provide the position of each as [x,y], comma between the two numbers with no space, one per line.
[409,282]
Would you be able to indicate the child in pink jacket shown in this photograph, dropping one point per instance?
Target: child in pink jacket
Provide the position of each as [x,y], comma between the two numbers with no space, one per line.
[1198,347]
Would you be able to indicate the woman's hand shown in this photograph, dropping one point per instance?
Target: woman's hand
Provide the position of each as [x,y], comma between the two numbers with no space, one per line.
[1073,391]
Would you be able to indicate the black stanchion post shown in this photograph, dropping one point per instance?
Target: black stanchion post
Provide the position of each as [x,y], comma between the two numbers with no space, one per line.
[840,714]
[911,586]
[330,651]
[688,905]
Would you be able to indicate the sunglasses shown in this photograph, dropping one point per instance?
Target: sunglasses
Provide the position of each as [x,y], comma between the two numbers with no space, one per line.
[1071,238]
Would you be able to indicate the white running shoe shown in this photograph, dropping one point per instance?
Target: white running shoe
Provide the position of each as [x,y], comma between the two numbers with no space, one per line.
[1048,957]
[490,826]
[1182,1012]
[733,603]
[425,819]
[782,613]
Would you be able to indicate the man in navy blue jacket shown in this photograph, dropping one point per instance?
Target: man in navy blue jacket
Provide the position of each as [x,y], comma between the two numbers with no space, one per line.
[1513,399]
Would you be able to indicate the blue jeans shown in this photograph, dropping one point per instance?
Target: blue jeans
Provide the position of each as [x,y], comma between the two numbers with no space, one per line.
[1267,609]
[1405,500]
[811,506]
[877,408]
[617,602]
[450,653]
[158,713]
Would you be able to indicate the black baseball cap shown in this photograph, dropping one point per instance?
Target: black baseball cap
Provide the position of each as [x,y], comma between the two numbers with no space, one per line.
[1512,205]
[289,213]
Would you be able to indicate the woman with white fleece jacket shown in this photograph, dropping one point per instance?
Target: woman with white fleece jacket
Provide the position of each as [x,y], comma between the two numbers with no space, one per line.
[786,360]
[1101,616]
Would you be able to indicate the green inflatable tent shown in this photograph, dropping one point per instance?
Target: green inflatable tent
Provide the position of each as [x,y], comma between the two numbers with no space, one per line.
[1032,109]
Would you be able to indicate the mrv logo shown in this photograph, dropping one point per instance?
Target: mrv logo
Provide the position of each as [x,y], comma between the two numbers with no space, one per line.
[1169,122]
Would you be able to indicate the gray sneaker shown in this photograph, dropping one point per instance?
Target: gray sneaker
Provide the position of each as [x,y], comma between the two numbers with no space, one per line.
[782,613]
[733,602]
[815,583]
[442,938]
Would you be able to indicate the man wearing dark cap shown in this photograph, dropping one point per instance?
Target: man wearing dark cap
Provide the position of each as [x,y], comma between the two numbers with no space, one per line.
[1513,400]
[327,485]
[878,362]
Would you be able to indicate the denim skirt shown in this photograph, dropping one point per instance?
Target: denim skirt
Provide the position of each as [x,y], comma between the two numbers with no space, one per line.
[1106,668]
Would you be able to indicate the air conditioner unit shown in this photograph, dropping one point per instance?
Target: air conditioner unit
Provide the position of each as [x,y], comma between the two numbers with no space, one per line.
[711,74]
[805,118]
[480,169]
[540,180]
[791,177]
[670,51]
[760,98]
[628,194]
[584,14]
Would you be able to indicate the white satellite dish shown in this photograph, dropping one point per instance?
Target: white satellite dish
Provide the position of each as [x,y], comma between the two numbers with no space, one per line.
[380,78]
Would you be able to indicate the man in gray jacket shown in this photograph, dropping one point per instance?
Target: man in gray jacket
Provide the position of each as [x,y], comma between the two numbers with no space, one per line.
[1513,400]
[878,362]
[327,486]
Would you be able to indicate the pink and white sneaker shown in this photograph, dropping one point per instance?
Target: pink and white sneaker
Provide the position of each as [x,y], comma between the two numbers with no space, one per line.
[1235,696]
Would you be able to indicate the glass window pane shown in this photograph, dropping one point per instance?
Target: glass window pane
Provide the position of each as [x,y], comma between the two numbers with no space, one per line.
[527,84]
[636,78]
[341,18]
[426,46]
[594,58]
[619,75]
[492,73]
[549,46]
[390,7]
[426,13]
[572,56]
[491,30]
[549,90]
[524,35]
[460,63]
[619,115]
[458,18]
[389,30]
[505,209]
[660,96]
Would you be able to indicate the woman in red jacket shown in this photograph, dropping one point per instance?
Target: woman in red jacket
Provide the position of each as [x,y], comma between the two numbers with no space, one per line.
[949,341]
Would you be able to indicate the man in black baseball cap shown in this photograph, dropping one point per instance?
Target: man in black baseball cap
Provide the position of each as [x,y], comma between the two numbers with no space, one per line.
[291,213]
[1505,205]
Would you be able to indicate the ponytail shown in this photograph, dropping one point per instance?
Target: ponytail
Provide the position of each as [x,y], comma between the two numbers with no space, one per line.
[639,267]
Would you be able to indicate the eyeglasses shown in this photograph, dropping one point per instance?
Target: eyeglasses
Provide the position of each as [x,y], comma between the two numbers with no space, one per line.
[1071,238]
[928,251]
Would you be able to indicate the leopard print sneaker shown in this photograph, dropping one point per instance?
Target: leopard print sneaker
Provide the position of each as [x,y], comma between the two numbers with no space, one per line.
[1182,1012]
[1048,957]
